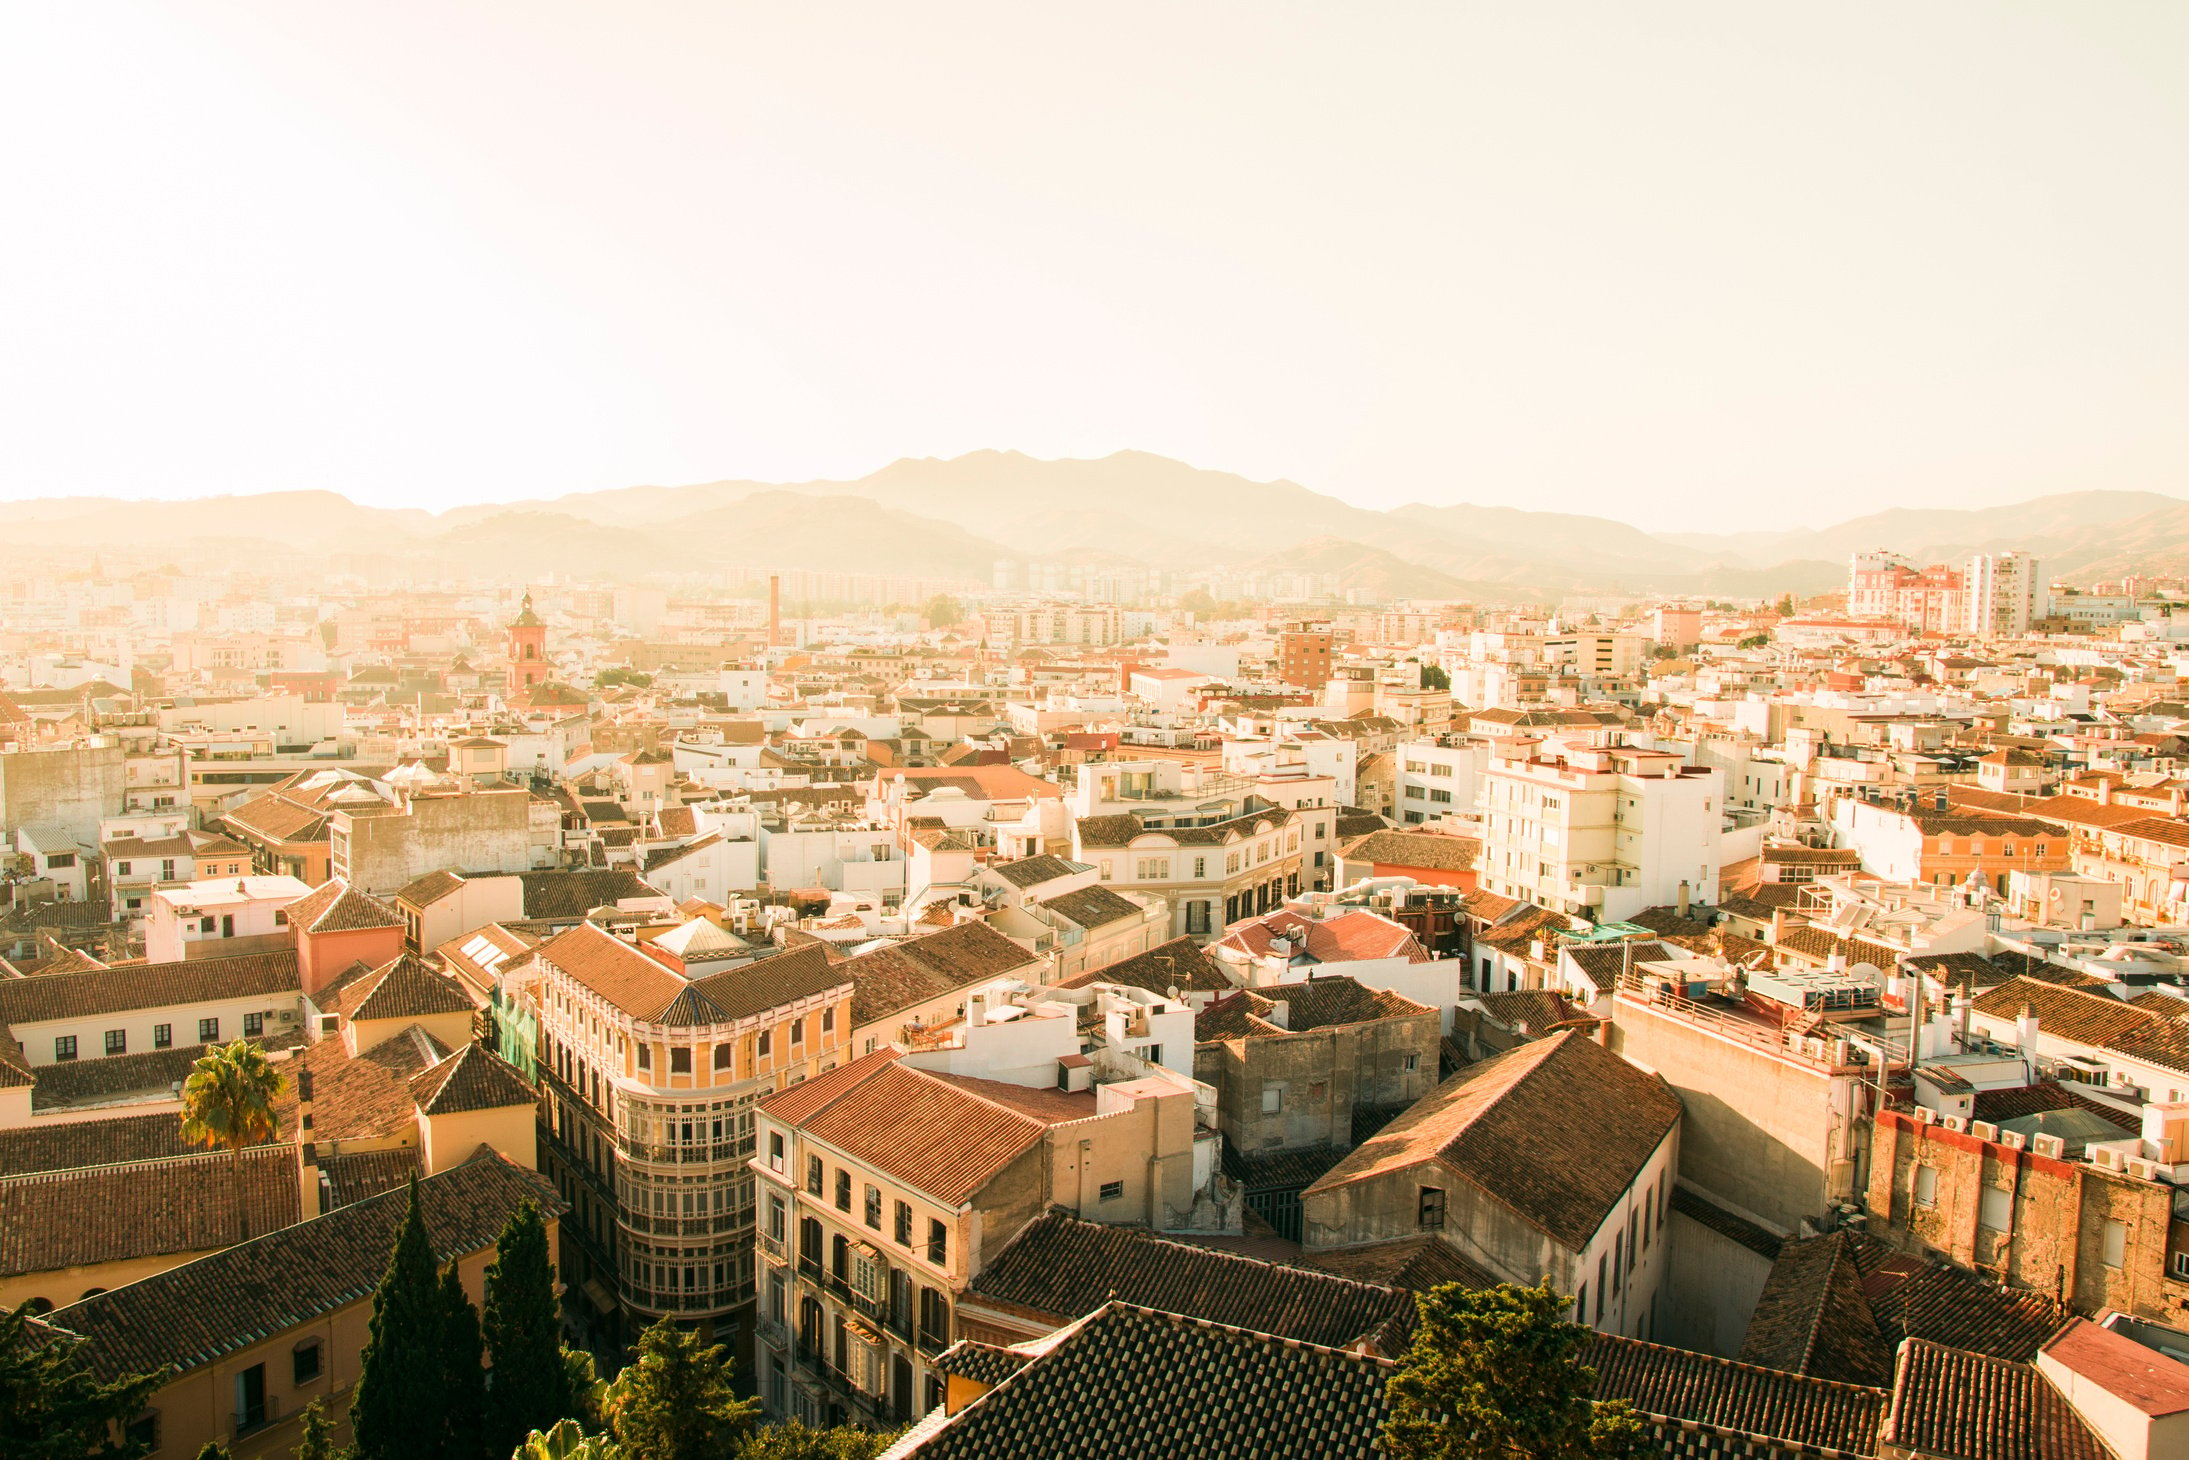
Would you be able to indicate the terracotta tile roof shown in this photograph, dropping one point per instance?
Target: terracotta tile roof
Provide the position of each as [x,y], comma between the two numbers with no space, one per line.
[336,907]
[1430,850]
[71,1145]
[1536,1011]
[1813,1317]
[559,895]
[406,987]
[424,892]
[1955,1405]
[1913,1297]
[983,1363]
[796,1103]
[117,1076]
[470,1079]
[192,1315]
[771,982]
[1319,1003]
[1416,1264]
[1180,964]
[1556,1129]
[918,1128]
[146,986]
[1061,1268]
[57,1219]
[1032,871]
[2073,1014]
[618,972]
[2143,1379]
[1605,962]
[1092,907]
[361,1098]
[1734,1400]
[352,1176]
[888,980]
[1195,1388]
[2000,1106]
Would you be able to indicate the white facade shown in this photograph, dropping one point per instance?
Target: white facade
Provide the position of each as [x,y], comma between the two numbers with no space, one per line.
[2003,592]
[1604,832]
[219,918]
[1435,780]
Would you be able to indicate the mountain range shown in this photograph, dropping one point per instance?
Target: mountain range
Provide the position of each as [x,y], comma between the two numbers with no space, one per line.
[956,518]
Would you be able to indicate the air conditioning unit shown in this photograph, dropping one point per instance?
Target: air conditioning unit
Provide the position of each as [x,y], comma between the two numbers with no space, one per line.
[1983,1130]
[2109,1158]
[2052,1146]
[2142,1169]
[1925,1116]
[1957,1123]
[2014,1140]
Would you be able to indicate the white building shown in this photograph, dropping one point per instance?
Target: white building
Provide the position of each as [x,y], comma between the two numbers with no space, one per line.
[1437,780]
[2002,592]
[223,917]
[1603,832]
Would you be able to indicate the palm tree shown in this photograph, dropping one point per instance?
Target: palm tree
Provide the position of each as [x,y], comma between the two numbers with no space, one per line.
[229,1101]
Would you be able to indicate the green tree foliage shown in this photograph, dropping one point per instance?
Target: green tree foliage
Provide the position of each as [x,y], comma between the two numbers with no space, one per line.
[1434,677]
[397,1412]
[942,611]
[228,1102]
[1496,1374]
[463,1403]
[1755,641]
[52,1406]
[584,1386]
[522,1323]
[566,1440]
[214,1450]
[791,1440]
[675,1400]
[1199,603]
[1786,605]
[317,1441]
[621,674]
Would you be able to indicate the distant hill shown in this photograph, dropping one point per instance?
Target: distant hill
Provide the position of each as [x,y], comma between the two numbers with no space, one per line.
[931,517]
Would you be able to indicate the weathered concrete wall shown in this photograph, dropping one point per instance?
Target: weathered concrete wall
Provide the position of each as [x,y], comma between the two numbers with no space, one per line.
[1711,1286]
[72,787]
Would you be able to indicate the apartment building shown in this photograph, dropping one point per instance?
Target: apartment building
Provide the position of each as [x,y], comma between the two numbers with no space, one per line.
[1304,654]
[1436,779]
[1604,832]
[887,1187]
[1210,847]
[652,1066]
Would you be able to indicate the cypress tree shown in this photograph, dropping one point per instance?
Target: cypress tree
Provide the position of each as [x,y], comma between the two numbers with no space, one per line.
[464,1400]
[397,1412]
[523,1324]
[676,1401]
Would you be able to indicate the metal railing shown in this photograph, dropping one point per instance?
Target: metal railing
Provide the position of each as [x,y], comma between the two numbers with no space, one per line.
[257,1417]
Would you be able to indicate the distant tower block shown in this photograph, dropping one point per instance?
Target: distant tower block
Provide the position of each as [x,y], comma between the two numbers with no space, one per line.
[775,609]
[528,664]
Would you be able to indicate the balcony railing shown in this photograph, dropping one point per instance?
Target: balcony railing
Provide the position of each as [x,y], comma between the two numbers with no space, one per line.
[257,1417]
[771,1247]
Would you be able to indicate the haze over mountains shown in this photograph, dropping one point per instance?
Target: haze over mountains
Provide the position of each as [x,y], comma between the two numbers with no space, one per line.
[954,518]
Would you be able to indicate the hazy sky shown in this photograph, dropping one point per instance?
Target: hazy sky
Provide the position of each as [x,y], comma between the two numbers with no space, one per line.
[1700,265]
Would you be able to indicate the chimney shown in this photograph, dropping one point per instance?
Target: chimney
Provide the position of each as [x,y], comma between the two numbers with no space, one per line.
[1683,897]
[1961,1006]
[2025,1037]
[1280,1013]
[976,1011]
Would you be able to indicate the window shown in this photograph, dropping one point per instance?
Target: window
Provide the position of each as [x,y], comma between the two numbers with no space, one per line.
[775,1150]
[904,1224]
[1926,1186]
[1995,1208]
[797,1032]
[117,1041]
[254,1024]
[228,925]
[813,1175]
[938,1242]
[1429,1207]
[1153,869]
[828,1021]
[121,869]
[722,1056]
[1200,866]
[1273,1099]
[760,1045]
[1581,1305]
[680,1061]
[1439,794]
[645,1056]
[64,1048]
[143,1432]
[304,1362]
[281,917]
[163,1035]
[2179,1265]
[1413,1062]
[2116,1244]
[1599,1290]
[874,1206]
[843,1190]
[1197,917]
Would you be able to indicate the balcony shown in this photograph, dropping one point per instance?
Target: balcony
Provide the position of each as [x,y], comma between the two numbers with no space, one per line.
[257,1417]
[772,1249]
[772,1331]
